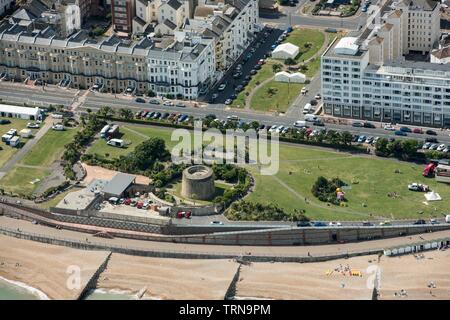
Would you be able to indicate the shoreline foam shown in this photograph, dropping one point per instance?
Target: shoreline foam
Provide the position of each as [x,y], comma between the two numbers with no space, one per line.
[36,292]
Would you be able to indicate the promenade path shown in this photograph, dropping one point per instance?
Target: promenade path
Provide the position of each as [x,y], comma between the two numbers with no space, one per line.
[279,251]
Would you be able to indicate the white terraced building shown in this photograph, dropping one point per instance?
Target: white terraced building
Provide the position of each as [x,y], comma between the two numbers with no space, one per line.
[368,77]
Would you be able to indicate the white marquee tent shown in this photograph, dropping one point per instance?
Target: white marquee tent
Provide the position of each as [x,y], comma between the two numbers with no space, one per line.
[284,76]
[285,50]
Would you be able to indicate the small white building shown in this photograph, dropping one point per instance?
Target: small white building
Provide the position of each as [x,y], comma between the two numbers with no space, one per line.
[285,51]
[9,111]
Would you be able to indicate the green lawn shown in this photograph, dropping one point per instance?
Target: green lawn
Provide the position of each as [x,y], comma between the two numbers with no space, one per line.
[279,100]
[19,179]
[369,179]
[49,148]
[264,73]
[6,151]
[300,37]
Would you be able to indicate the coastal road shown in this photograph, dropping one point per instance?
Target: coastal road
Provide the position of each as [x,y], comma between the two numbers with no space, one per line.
[278,251]
[95,101]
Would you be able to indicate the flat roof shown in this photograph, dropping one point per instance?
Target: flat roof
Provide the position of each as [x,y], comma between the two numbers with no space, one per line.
[119,184]
[19,110]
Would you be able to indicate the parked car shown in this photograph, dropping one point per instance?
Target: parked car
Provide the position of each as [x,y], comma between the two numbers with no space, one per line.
[433,140]
[419,222]
[405,129]
[140,100]
[318,96]
[217,222]
[228,101]
[431,132]
[400,133]
[389,127]
[357,124]
[367,224]
[434,146]
[222,87]
[426,145]
[319,224]
[369,125]
[334,224]
[168,103]
[385,223]
[253,72]
[30,125]
[417,130]
[154,101]
[361,139]
[441,147]
[180,105]
[303,224]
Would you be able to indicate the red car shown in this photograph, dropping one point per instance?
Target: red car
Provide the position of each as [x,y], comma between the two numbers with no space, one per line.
[261,61]
[139,205]
[127,202]
[180,214]
[417,130]
[187,215]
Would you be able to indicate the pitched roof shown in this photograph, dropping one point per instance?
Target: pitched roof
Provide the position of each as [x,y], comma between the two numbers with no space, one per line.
[174,4]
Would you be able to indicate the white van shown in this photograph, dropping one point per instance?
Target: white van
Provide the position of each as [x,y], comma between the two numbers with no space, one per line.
[116,143]
[311,118]
[307,108]
[447,218]
[300,124]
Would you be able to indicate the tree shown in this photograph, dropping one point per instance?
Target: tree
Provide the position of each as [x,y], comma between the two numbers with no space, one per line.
[276,67]
[289,61]
[346,138]
[106,112]
[126,113]
[271,91]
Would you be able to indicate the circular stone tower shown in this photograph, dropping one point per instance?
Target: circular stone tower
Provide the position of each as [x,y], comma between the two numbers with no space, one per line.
[198,183]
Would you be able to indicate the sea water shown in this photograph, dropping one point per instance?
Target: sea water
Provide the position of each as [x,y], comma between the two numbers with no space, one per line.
[9,291]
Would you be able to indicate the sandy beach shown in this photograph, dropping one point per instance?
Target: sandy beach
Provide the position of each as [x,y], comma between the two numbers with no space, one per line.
[44,266]
[169,278]
[301,281]
[414,274]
